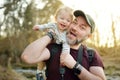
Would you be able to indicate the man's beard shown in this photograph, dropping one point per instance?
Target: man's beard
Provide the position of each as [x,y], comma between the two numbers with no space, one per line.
[74,42]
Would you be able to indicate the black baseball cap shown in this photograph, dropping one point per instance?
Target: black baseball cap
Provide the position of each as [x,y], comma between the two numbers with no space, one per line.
[87,17]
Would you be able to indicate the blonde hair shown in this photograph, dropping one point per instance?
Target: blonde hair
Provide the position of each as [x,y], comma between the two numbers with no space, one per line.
[66,9]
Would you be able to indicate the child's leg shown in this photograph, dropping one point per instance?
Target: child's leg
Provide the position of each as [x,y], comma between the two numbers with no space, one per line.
[65,48]
[40,71]
[41,65]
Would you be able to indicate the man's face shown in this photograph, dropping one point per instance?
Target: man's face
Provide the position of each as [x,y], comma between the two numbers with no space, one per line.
[79,31]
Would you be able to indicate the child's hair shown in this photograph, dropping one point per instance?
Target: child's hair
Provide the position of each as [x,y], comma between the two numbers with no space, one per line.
[66,9]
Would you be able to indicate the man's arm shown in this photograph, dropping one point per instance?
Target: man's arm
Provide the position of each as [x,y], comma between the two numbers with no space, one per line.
[95,73]
[37,51]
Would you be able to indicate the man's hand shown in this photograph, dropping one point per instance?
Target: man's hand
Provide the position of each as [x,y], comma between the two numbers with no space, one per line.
[67,60]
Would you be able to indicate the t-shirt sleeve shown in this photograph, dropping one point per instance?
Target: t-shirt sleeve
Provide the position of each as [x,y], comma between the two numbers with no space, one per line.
[53,47]
[97,61]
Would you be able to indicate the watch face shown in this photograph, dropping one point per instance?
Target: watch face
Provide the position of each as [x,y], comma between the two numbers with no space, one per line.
[76,71]
[77,68]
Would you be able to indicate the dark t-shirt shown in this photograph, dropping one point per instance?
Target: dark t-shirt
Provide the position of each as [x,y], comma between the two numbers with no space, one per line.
[54,65]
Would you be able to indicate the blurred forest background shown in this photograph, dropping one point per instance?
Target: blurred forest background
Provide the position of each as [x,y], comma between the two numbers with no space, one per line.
[17,20]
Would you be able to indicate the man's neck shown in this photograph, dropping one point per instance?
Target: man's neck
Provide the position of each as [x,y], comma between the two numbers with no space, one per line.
[75,46]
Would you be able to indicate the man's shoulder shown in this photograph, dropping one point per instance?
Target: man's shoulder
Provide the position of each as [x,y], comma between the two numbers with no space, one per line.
[89,49]
[54,46]
[94,57]
[91,52]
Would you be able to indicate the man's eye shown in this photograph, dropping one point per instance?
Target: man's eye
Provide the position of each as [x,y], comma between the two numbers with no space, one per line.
[82,27]
[74,22]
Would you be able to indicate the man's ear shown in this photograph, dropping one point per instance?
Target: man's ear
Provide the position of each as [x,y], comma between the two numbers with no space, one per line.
[89,35]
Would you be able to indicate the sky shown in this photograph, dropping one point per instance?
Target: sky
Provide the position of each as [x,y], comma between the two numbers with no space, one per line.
[101,11]
[112,6]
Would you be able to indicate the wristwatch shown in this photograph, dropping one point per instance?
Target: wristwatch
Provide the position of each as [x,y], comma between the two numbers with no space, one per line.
[77,68]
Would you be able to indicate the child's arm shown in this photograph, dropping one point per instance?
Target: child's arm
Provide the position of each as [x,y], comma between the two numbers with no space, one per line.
[44,26]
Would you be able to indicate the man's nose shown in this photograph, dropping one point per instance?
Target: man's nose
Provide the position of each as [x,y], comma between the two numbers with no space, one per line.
[74,28]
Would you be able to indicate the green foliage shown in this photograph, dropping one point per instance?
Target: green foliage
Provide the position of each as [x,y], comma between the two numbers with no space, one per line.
[19,18]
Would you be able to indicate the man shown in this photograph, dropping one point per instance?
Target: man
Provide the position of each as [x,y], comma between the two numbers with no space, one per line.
[80,30]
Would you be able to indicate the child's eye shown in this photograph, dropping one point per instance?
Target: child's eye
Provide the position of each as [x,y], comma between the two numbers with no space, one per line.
[62,18]
[68,20]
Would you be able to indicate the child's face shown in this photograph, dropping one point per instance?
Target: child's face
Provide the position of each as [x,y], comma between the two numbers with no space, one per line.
[63,20]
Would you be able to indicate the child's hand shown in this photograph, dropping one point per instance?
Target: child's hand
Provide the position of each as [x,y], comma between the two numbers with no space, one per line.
[36,27]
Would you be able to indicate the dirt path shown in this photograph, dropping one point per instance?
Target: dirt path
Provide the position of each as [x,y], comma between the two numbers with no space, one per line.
[112,67]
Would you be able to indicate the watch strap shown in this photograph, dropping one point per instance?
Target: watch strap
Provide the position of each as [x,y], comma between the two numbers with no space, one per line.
[77,68]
